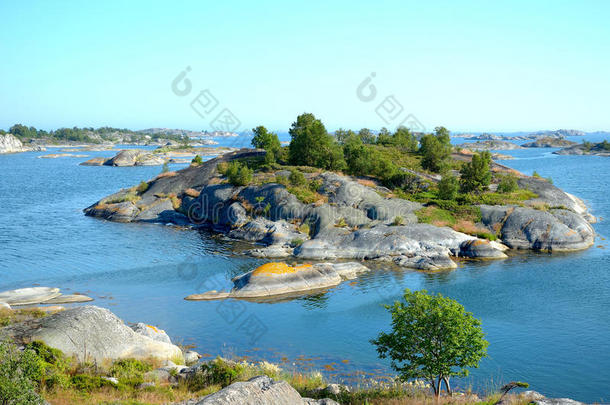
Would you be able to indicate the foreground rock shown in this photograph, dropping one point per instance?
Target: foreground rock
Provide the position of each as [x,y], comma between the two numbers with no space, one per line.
[11,144]
[260,390]
[90,333]
[550,142]
[279,279]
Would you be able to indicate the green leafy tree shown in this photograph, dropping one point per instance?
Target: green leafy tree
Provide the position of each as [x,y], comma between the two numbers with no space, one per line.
[476,174]
[269,141]
[367,136]
[384,137]
[433,337]
[434,151]
[342,135]
[311,145]
[197,160]
[403,138]
[448,187]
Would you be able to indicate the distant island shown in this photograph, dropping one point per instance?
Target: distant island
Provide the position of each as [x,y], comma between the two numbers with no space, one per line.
[587,148]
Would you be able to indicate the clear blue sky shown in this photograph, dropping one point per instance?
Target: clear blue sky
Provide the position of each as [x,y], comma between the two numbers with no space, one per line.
[471,65]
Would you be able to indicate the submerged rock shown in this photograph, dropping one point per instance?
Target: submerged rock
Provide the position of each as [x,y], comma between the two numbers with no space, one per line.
[280,279]
[90,333]
[31,295]
[68,299]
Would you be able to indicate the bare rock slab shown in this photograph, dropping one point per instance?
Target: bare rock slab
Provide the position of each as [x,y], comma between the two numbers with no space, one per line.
[90,333]
[30,295]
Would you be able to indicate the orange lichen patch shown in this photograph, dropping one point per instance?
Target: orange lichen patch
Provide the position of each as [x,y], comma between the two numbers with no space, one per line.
[153,328]
[276,268]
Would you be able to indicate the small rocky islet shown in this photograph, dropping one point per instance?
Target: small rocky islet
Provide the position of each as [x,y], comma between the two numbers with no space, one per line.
[354,219]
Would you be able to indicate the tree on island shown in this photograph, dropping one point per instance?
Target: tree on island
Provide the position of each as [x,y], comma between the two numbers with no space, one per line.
[476,174]
[433,337]
[263,139]
[311,145]
[435,149]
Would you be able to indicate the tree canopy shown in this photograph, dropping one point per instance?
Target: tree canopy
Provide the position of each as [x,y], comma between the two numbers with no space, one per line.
[476,174]
[311,145]
[432,337]
[435,149]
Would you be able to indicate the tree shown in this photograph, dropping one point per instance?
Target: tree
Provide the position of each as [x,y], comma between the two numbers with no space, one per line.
[263,139]
[448,187]
[403,138]
[433,337]
[384,137]
[476,174]
[367,136]
[311,145]
[238,174]
[434,150]
[342,135]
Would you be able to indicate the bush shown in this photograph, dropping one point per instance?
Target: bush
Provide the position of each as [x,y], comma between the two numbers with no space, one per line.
[435,149]
[398,220]
[238,174]
[197,160]
[448,188]
[20,373]
[217,371]
[296,178]
[508,184]
[142,187]
[165,168]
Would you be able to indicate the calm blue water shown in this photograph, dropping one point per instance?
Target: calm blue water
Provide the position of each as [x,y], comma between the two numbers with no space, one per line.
[547,317]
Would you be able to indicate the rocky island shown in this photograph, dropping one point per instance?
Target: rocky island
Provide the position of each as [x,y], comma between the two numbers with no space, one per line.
[309,213]
[490,145]
[549,142]
[587,148]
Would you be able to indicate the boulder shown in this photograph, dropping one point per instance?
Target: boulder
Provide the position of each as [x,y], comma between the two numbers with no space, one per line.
[97,161]
[280,279]
[10,144]
[31,295]
[527,228]
[152,332]
[124,158]
[557,401]
[191,357]
[260,390]
[90,333]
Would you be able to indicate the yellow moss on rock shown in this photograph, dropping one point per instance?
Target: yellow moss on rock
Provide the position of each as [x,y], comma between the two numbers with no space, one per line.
[277,268]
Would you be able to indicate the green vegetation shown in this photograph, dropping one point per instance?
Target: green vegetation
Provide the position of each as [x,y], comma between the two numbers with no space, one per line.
[508,184]
[19,373]
[197,160]
[311,145]
[142,187]
[433,337]
[448,187]
[165,168]
[476,174]
[269,141]
[398,220]
[91,135]
[238,174]
[435,149]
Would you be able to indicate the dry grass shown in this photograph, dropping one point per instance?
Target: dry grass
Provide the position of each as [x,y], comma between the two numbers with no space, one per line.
[166,174]
[367,183]
[191,192]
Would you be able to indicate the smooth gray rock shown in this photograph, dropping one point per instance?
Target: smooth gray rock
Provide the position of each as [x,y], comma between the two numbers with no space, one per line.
[152,332]
[557,401]
[490,145]
[90,333]
[68,299]
[278,279]
[527,228]
[191,357]
[30,295]
[260,390]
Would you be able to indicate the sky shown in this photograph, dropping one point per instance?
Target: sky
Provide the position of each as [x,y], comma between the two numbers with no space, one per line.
[467,65]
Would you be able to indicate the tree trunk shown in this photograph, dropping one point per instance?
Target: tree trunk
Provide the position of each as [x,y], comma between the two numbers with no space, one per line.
[447,386]
[434,387]
[438,387]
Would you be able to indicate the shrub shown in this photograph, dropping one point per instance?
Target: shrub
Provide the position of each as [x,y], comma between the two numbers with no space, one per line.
[217,371]
[398,220]
[448,188]
[508,184]
[296,242]
[238,174]
[296,178]
[20,373]
[129,371]
[304,228]
[435,149]
[165,168]
[197,160]
[142,187]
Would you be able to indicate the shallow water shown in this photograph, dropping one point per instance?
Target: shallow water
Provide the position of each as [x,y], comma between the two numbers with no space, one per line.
[546,316]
